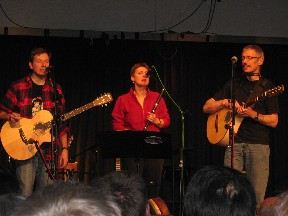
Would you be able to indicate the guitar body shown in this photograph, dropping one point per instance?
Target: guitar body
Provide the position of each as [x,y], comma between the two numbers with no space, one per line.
[158,207]
[218,126]
[17,138]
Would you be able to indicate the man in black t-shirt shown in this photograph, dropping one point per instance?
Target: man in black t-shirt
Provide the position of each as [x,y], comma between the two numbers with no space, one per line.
[251,149]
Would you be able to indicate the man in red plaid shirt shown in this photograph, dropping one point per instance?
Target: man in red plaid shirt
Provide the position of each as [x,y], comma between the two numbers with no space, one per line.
[25,98]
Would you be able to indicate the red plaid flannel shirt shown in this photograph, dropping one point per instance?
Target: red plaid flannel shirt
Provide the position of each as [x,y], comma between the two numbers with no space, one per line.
[18,99]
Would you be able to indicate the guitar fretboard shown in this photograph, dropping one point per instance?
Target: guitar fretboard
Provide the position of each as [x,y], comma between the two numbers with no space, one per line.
[78,111]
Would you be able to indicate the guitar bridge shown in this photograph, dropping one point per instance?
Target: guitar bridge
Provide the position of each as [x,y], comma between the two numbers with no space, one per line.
[23,137]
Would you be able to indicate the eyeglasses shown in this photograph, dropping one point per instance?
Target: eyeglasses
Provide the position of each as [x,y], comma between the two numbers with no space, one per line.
[249,57]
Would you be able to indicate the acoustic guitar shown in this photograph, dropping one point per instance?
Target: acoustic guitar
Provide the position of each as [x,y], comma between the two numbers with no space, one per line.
[19,139]
[158,206]
[219,122]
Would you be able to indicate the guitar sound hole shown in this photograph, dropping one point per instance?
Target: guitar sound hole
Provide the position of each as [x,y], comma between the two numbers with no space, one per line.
[39,126]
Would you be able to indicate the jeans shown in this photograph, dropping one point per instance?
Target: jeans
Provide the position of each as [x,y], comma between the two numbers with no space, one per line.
[252,159]
[29,171]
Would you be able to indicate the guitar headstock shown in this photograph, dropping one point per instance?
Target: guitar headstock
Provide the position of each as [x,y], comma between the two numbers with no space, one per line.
[103,99]
[274,91]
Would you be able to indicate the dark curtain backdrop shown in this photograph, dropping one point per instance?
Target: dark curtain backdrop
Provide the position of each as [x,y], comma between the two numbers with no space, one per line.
[191,72]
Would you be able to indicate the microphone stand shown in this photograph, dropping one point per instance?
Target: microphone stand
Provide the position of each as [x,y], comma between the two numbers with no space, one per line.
[54,125]
[52,171]
[181,160]
[233,101]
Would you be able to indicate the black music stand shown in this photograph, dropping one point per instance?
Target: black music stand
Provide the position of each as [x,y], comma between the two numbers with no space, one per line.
[135,144]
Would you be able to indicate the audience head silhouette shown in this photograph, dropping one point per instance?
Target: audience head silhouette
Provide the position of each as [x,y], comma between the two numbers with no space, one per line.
[127,190]
[61,199]
[219,191]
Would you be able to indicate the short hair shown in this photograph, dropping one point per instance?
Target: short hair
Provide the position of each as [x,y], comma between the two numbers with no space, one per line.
[61,199]
[219,191]
[256,48]
[8,202]
[275,206]
[127,190]
[38,51]
[137,65]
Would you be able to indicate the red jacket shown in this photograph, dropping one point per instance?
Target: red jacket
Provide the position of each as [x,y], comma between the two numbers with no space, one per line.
[129,115]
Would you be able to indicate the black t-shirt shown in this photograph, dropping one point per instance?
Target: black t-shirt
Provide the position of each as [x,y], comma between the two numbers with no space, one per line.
[36,96]
[36,90]
[251,131]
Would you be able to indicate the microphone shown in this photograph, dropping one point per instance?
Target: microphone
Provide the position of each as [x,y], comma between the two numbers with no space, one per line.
[152,68]
[49,69]
[148,74]
[234,59]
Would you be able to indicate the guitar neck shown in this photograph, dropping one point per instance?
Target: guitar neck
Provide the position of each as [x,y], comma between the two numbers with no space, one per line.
[78,111]
[269,93]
